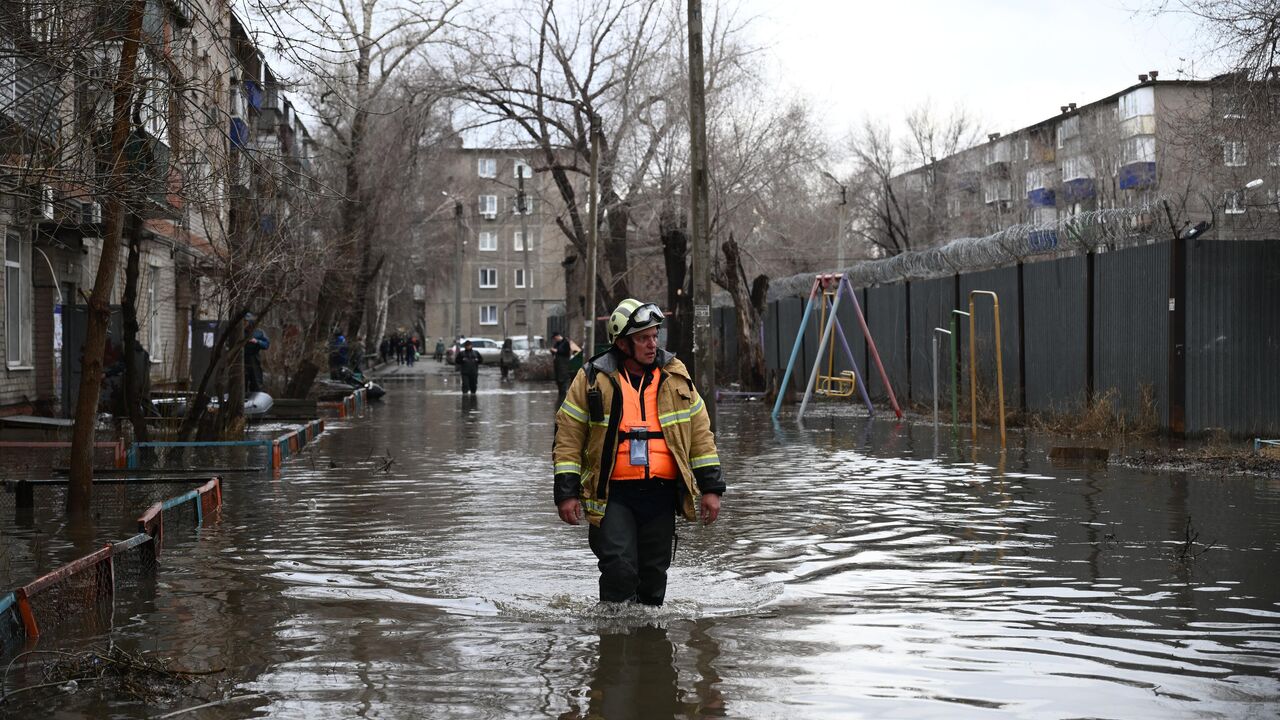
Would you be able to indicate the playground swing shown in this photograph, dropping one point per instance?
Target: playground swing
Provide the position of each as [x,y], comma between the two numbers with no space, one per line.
[831,384]
[834,287]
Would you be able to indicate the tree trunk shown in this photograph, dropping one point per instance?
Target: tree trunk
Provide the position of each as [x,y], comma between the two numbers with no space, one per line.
[616,222]
[381,303]
[231,412]
[129,307]
[80,488]
[575,297]
[748,304]
[675,255]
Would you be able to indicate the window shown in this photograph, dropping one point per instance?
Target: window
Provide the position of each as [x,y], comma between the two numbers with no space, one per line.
[1039,178]
[530,204]
[520,278]
[153,313]
[1139,102]
[996,191]
[43,23]
[488,277]
[489,206]
[1075,168]
[154,109]
[488,241]
[998,152]
[1235,153]
[517,241]
[1139,148]
[91,213]
[519,165]
[1069,128]
[1044,215]
[8,75]
[1233,202]
[488,314]
[13,299]
[46,202]
[1026,148]
[487,167]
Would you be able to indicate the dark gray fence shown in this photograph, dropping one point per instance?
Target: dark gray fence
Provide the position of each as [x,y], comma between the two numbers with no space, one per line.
[1075,327]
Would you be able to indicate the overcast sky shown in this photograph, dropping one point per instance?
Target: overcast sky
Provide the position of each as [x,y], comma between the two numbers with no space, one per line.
[1009,62]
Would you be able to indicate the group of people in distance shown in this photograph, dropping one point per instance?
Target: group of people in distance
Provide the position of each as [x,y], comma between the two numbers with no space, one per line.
[405,348]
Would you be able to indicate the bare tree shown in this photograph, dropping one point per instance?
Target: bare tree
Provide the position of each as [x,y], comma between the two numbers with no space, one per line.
[893,214]
[612,65]
[352,50]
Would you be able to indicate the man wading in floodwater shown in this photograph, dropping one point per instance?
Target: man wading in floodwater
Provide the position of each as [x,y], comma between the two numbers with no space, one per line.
[634,433]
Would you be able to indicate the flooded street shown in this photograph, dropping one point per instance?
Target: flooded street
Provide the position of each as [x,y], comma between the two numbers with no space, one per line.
[411,564]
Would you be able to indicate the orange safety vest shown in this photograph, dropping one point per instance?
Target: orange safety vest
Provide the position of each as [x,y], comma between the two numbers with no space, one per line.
[641,413]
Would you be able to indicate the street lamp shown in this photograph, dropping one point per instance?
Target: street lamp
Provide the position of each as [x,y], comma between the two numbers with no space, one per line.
[844,204]
[1201,227]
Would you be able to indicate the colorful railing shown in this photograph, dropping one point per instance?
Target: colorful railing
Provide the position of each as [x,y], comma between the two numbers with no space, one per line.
[91,581]
[279,448]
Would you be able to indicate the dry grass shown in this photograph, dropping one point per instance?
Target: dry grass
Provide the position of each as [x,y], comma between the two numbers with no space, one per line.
[1103,418]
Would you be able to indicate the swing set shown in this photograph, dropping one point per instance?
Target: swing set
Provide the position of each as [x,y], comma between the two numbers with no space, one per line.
[827,292]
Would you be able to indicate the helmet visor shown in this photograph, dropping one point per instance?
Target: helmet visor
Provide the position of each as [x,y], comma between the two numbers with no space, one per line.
[644,316]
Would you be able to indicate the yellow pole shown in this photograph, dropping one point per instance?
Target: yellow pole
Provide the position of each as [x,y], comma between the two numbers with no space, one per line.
[973,368]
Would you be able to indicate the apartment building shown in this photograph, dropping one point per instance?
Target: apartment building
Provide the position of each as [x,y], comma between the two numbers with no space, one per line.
[187,155]
[491,262]
[1193,144]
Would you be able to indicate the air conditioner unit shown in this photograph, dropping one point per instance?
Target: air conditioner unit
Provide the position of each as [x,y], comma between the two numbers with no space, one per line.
[489,215]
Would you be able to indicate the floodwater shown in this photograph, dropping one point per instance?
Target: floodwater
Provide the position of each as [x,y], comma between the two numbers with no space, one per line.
[411,565]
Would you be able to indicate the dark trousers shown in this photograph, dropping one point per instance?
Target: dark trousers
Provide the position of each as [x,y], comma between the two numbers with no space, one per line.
[634,541]
[469,382]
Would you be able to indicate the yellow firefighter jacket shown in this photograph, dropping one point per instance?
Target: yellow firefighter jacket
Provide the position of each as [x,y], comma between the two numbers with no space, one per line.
[587,426]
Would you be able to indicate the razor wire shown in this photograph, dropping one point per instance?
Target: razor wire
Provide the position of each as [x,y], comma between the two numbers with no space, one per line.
[1091,231]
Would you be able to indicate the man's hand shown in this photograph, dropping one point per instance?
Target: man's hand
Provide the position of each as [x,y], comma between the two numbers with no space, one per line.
[571,511]
[710,507]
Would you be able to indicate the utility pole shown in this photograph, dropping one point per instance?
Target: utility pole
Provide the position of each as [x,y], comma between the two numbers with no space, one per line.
[522,207]
[840,218]
[593,238]
[457,270]
[703,358]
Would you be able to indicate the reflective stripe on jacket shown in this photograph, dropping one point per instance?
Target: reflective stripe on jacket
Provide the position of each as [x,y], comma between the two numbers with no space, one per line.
[586,443]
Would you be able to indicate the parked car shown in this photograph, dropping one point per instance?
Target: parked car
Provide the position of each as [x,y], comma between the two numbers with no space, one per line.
[520,344]
[488,348]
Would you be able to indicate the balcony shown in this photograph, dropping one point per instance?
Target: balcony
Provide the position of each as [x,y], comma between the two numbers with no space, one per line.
[29,94]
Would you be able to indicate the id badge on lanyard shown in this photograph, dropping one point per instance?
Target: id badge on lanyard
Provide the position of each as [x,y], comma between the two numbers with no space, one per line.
[639,451]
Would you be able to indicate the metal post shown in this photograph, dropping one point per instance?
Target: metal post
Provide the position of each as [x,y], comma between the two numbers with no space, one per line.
[817,360]
[522,206]
[973,367]
[457,271]
[955,369]
[934,356]
[700,250]
[593,239]
[935,372]
[795,349]
[871,346]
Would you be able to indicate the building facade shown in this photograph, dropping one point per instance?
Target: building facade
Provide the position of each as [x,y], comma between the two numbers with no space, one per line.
[202,84]
[1195,145]
[480,236]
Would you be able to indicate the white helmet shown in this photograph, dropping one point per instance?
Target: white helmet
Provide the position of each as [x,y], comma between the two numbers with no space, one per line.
[632,316]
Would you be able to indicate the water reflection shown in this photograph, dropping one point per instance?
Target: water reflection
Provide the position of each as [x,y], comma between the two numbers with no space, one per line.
[635,677]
